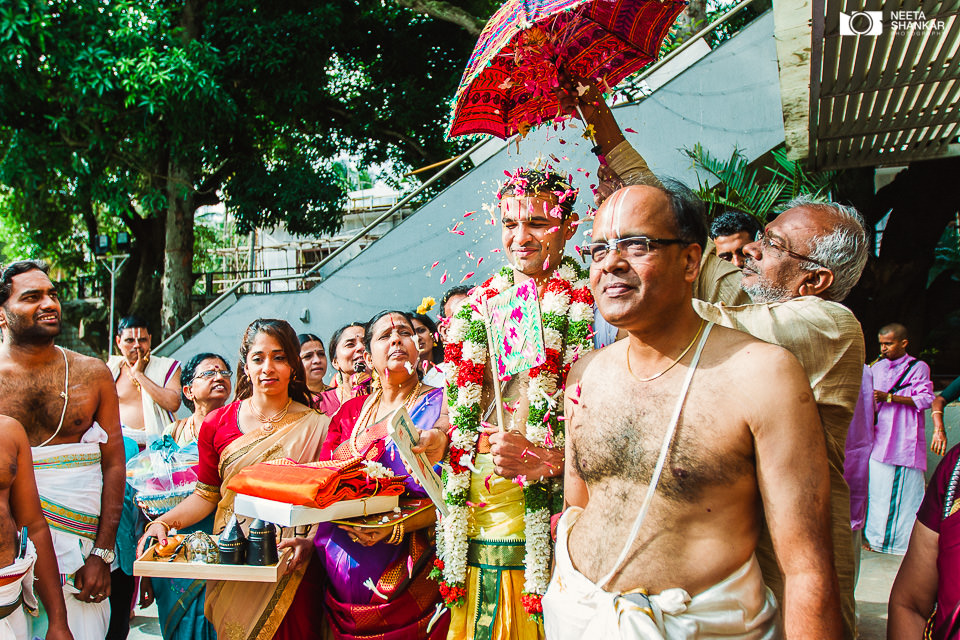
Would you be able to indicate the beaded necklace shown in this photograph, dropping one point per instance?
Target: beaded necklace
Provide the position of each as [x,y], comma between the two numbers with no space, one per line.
[369,412]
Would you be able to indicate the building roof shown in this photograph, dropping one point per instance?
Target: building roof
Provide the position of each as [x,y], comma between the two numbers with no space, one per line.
[883,85]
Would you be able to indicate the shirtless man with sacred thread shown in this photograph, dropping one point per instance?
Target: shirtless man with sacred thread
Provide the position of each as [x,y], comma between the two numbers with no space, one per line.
[67,404]
[148,385]
[665,400]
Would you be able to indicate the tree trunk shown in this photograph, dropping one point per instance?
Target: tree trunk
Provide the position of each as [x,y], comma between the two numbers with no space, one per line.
[441,10]
[144,270]
[177,281]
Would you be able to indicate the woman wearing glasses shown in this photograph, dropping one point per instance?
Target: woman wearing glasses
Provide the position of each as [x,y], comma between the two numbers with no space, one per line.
[206,386]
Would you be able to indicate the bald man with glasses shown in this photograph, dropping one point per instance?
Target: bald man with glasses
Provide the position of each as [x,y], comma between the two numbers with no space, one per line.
[796,273]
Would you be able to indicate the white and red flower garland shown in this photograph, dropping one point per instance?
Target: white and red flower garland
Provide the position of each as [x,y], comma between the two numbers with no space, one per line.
[567,314]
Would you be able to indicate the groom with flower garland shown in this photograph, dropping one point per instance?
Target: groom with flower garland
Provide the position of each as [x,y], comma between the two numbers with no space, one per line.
[503,485]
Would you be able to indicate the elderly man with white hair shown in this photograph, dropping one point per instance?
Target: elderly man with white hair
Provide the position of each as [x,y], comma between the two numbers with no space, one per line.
[797,271]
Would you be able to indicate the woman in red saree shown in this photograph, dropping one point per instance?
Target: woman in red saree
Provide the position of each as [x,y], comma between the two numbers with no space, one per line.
[269,419]
[377,578]
[925,599]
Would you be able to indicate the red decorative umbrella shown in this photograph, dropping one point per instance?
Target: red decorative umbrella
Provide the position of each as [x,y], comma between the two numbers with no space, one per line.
[508,85]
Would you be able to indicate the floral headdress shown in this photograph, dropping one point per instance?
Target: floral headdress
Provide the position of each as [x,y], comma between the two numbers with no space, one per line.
[532,182]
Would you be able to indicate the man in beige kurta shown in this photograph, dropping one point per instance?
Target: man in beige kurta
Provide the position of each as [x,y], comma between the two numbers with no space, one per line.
[827,339]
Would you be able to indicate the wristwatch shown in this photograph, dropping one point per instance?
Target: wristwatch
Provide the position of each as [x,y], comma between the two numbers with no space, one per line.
[107,555]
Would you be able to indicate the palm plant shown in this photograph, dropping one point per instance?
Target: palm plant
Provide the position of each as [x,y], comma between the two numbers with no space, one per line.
[739,187]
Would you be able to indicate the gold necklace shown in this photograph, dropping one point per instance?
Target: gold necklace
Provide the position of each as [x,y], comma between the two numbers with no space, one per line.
[370,411]
[672,364]
[269,424]
[191,428]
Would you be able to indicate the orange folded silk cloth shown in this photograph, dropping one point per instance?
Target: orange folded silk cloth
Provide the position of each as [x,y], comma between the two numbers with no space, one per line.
[315,484]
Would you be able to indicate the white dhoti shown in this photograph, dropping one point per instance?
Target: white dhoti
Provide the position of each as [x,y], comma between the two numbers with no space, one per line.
[894,498]
[15,594]
[69,481]
[739,607]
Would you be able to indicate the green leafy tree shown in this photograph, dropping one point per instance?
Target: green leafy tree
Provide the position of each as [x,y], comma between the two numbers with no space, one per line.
[143,111]
[755,190]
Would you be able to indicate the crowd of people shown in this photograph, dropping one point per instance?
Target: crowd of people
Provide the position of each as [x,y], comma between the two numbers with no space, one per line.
[622,489]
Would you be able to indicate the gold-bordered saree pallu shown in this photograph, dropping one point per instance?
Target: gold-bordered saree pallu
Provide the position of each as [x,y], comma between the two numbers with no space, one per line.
[248,610]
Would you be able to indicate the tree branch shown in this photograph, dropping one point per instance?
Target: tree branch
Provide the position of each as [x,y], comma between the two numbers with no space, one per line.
[445,11]
[385,132]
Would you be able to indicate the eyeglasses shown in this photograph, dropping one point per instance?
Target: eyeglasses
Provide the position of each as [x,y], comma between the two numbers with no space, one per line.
[213,373]
[632,247]
[766,242]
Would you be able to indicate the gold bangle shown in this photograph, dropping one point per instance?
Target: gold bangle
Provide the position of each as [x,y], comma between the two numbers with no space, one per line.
[166,527]
[397,536]
[889,397]
[933,413]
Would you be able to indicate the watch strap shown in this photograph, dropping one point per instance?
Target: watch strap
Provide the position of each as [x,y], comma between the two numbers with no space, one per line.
[107,555]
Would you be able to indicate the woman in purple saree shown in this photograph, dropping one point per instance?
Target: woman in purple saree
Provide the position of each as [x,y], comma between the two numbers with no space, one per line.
[378,585]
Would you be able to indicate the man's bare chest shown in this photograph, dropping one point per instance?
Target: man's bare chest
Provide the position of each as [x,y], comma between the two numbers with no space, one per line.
[38,400]
[128,392]
[619,429]
[8,465]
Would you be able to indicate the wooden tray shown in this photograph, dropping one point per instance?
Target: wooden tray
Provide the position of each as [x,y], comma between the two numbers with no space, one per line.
[149,565]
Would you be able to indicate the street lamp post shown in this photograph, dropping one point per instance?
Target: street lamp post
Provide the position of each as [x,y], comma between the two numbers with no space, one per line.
[101,247]
[116,261]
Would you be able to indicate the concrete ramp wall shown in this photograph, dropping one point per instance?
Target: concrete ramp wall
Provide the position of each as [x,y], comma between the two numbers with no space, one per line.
[729,98]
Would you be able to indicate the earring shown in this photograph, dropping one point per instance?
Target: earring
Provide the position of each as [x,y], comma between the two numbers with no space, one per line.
[375,378]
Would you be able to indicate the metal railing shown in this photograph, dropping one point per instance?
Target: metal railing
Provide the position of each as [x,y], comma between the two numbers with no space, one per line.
[311,273]
[700,35]
[210,312]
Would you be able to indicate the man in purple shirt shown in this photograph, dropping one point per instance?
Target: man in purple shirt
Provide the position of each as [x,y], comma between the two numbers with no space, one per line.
[856,461]
[902,391]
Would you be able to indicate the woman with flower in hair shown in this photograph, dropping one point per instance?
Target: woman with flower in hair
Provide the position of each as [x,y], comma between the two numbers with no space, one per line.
[378,584]
[505,479]
[428,344]
[270,419]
